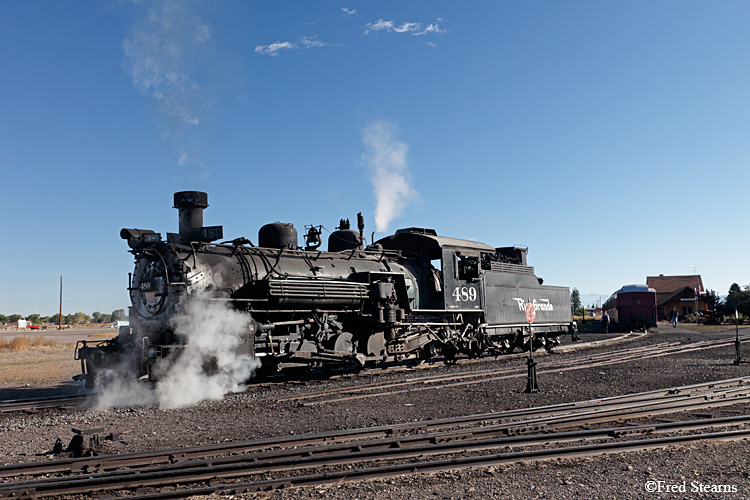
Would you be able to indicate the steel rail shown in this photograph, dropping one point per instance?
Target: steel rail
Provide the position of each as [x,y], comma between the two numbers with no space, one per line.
[720,393]
[31,404]
[502,374]
[269,462]
[631,353]
[352,475]
[474,374]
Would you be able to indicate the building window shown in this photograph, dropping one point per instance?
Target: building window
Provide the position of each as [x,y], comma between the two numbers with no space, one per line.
[687,310]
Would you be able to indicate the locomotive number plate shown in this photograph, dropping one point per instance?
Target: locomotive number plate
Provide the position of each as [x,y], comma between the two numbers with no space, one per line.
[465,294]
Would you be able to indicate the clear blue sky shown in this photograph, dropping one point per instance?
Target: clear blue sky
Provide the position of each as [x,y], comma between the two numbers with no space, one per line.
[611,138]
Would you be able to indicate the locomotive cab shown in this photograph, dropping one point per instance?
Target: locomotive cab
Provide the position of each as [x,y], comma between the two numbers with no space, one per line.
[448,269]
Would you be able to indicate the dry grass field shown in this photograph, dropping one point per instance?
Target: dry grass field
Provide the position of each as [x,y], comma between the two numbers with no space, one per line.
[35,361]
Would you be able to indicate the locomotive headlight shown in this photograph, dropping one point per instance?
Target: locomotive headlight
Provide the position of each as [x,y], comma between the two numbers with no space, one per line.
[151,352]
[138,237]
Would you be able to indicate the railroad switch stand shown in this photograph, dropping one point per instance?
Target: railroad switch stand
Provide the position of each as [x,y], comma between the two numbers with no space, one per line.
[531,385]
[737,355]
[85,442]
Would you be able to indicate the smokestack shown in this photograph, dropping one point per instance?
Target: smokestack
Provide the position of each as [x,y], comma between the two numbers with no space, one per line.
[190,205]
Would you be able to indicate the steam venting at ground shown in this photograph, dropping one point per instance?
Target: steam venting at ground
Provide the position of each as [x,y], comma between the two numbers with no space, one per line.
[213,331]
[385,156]
[208,367]
[162,52]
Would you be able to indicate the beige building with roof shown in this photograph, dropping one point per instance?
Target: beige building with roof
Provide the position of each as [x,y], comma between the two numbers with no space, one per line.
[684,293]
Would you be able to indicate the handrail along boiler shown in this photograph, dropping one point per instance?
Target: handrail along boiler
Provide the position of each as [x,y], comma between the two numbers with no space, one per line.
[411,295]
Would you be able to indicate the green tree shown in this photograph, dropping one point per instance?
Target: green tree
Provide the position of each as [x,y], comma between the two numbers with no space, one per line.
[118,315]
[80,318]
[738,298]
[575,302]
[34,318]
[14,317]
[715,308]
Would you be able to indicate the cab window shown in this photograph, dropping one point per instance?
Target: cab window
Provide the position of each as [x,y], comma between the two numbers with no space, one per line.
[468,267]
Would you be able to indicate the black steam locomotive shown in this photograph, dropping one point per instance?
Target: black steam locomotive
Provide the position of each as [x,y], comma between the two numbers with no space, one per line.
[413,295]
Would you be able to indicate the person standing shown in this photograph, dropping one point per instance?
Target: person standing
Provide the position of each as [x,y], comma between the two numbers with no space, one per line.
[605,322]
[673,317]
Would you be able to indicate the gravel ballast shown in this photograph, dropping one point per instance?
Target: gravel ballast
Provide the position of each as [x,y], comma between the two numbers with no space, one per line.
[702,470]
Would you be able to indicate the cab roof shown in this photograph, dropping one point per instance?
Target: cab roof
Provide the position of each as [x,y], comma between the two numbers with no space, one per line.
[417,239]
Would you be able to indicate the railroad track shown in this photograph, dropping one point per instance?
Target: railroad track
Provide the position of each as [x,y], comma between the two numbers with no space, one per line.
[426,382]
[486,438]
[36,404]
[452,464]
[74,401]
[432,382]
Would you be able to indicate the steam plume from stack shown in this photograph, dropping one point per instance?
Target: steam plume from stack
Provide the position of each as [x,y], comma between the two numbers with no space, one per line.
[385,156]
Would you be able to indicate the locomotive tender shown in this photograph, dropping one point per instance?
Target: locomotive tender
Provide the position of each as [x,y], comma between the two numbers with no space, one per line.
[411,295]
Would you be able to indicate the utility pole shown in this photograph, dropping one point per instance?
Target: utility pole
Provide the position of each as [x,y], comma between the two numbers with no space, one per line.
[59,318]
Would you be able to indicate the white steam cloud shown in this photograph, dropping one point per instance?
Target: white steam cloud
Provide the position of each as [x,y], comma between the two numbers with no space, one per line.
[161,55]
[385,156]
[214,333]
[212,363]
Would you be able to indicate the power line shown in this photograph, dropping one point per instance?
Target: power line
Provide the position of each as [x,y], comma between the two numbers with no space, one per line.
[28,275]
[29,286]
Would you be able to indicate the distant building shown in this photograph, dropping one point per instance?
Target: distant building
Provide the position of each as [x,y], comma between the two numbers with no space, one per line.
[685,293]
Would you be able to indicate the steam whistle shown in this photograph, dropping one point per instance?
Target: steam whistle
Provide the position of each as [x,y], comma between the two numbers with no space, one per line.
[361,226]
